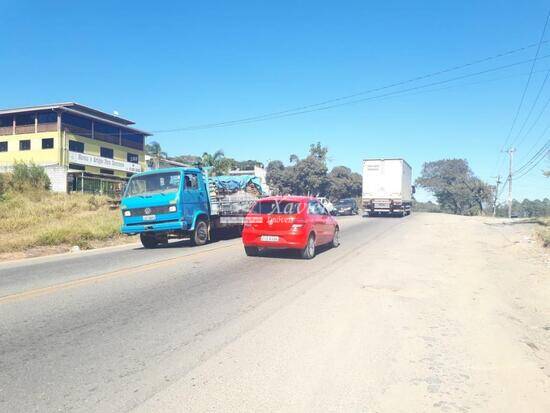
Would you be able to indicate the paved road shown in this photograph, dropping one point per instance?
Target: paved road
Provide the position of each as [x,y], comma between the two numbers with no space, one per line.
[106,330]
[427,313]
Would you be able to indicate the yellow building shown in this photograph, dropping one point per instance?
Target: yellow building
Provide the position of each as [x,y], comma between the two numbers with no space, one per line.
[81,149]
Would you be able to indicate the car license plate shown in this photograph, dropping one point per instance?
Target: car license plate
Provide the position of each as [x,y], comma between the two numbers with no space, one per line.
[270,238]
[381,205]
[149,217]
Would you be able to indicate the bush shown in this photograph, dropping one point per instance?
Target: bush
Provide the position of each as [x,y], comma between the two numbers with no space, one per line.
[3,184]
[31,176]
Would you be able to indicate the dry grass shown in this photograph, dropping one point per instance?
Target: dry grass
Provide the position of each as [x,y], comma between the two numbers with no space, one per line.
[543,231]
[40,218]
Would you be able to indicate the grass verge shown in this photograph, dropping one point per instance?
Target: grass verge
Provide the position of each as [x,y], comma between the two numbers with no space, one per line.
[543,230]
[43,219]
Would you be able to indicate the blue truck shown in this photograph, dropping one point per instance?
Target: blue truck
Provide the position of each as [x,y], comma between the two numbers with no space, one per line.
[176,203]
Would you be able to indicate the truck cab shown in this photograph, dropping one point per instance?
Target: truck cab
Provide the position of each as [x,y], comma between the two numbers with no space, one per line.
[167,203]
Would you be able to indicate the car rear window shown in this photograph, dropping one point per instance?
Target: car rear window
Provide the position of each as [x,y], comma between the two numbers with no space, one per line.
[277,207]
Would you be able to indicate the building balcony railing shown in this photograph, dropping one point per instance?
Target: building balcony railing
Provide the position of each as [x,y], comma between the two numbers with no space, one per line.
[19,129]
[47,127]
[6,130]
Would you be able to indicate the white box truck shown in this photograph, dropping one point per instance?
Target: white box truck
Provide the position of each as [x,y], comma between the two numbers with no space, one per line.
[387,187]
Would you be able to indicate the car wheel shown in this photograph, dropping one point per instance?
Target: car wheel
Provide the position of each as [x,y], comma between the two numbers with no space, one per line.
[336,238]
[200,234]
[148,240]
[251,251]
[309,250]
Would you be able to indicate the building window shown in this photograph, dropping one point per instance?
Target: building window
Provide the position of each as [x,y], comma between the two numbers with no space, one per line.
[24,123]
[25,145]
[6,125]
[77,125]
[24,119]
[47,117]
[132,140]
[77,167]
[4,146]
[47,122]
[47,143]
[106,152]
[107,171]
[75,146]
[106,133]
[132,157]
[6,121]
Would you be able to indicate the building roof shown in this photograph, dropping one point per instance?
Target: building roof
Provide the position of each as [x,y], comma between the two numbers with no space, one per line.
[76,108]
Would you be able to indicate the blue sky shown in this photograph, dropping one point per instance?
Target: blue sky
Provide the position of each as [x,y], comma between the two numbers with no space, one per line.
[189,63]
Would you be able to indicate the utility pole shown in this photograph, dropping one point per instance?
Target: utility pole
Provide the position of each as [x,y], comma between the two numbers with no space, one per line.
[496,195]
[510,153]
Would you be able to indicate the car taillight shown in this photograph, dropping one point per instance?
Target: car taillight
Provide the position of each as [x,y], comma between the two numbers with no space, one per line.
[297,225]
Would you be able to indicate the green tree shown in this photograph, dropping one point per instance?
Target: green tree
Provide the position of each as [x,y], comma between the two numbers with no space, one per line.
[154,149]
[218,162]
[279,178]
[455,186]
[343,183]
[303,176]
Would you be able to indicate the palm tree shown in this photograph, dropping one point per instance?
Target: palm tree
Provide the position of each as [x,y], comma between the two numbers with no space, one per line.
[154,149]
[217,161]
[211,159]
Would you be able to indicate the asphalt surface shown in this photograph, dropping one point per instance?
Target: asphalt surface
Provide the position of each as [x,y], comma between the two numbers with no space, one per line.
[107,330]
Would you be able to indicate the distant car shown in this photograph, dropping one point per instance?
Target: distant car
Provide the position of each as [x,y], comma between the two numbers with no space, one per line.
[289,222]
[346,206]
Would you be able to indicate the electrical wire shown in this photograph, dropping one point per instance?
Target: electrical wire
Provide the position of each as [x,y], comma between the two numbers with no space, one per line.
[541,154]
[530,112]
[534,165]
[527,83]
[294,112]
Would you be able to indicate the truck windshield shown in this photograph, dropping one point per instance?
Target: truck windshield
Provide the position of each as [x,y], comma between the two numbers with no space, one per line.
[160,183]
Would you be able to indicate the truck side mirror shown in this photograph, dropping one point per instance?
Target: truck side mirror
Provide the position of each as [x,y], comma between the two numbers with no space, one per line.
[414,189]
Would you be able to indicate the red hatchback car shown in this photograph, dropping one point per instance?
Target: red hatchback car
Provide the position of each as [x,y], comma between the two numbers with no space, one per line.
[295,222]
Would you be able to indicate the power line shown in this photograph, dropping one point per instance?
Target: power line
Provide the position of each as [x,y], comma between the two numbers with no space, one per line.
[541,150]
[315,108]
[536,158]
[534,165]
[447,70]
[531,111]
[518,110]
[541,136]
[541,112]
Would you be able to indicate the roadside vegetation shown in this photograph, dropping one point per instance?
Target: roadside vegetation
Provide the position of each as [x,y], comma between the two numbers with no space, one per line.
[543,230]
[32,216]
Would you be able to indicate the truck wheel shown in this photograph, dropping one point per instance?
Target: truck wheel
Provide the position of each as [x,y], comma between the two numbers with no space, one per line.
[309,251]
[251,251]
[148,241]
[200,234]
[336,238]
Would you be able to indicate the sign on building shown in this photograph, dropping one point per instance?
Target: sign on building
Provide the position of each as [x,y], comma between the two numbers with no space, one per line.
[92,160]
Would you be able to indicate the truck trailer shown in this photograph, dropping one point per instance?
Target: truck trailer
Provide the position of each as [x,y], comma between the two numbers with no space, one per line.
[185,203]
[387,187]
